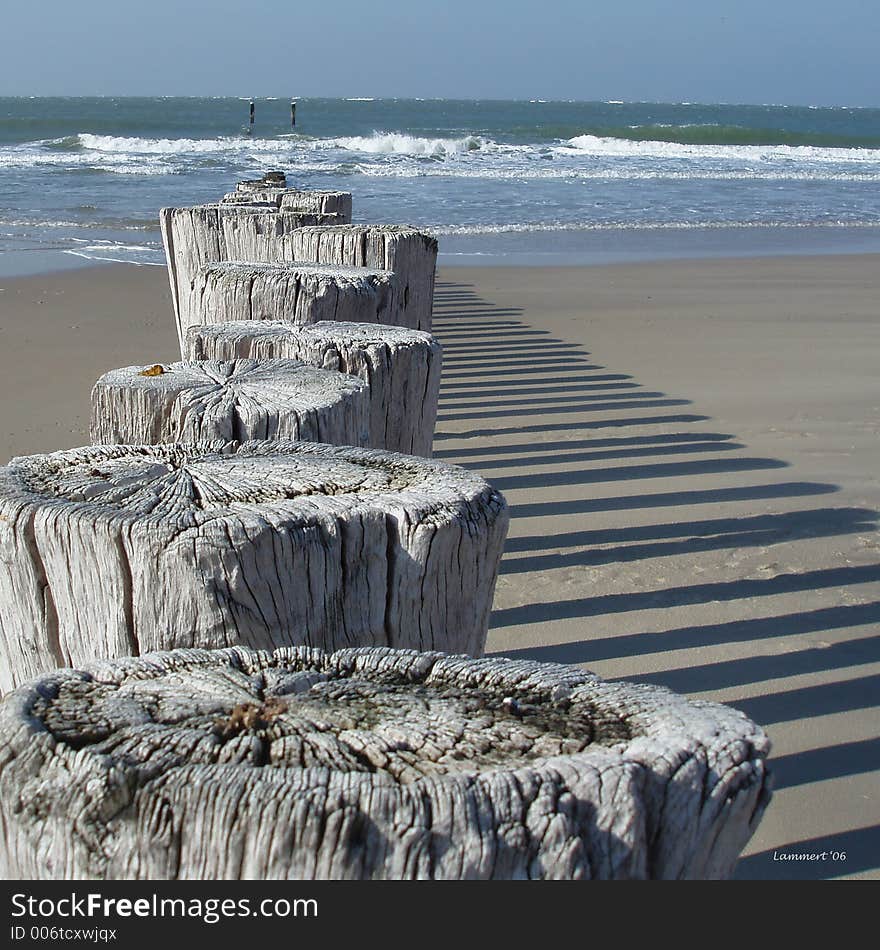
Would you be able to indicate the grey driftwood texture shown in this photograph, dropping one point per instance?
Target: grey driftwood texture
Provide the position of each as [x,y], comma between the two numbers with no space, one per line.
[401,366]
[110,551]
[369,763]
[271,179]
[319,202]
[268,199]
[273,188]
[294,293]
[222,232]
[410,254]
[337,203]
[237,399]
[208,233]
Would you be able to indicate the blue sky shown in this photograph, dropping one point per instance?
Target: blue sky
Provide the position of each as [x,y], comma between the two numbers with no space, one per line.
[779,51]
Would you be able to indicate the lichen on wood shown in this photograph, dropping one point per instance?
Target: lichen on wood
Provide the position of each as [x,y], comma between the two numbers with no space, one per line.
[369,763]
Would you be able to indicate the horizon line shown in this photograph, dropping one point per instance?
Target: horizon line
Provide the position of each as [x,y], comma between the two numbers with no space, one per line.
[537,100]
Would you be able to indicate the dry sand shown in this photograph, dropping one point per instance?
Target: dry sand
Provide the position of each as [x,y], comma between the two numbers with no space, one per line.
[691,453]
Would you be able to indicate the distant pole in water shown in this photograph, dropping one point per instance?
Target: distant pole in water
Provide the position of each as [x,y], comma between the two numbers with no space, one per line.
[252,113]
[292,112]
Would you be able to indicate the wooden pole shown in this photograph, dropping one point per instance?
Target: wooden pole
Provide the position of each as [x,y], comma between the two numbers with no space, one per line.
[369,764]
[230,399]
[296,293]
[213,233]
[115,550]
[402,367]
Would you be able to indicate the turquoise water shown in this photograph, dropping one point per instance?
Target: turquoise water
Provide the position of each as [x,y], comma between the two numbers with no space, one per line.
[498,182]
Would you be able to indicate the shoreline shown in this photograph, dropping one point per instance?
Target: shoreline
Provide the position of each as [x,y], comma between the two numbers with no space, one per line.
[538,248]
[690,451]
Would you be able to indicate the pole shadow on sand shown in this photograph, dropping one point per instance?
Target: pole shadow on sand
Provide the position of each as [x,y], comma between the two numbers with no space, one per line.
[649,547]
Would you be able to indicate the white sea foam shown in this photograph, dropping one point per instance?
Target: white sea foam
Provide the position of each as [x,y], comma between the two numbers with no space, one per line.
[144,146]
[115,246]
[398,154]
[91,256]
[627,148]
[19,222]
[703,225]
[608,172]
[117,252]
[398,143]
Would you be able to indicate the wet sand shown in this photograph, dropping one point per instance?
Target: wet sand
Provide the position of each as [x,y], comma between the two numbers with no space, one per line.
[691,454]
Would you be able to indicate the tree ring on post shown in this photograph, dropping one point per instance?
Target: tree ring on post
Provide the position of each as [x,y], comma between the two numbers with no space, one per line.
[402,367]
[370,763]
[116,550]
[238,399]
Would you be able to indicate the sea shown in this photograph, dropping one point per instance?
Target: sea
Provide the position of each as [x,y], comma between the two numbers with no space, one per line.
[498,182]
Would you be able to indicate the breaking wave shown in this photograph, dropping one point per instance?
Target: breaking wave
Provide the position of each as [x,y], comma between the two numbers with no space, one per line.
[399,143]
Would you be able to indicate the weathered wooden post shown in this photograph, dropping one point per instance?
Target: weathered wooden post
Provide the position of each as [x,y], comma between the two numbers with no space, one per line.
[318,202]
[409,253]
[370,764]
[110,551]
[210,233]
[237,399]
[402,367]
[272,190]
[255,186]
[295,293]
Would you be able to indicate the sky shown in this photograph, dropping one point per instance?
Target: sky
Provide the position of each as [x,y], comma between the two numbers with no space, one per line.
[802,52]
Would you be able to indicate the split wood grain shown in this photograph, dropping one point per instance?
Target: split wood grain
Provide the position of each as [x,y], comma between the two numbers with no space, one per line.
[209,233]
[369,764]
[109,551]
[338,203]
[294,293]
[410,254]
[401,366]
[238,399]
[271,179]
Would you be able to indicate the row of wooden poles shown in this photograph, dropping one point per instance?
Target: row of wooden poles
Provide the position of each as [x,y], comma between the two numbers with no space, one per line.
[333,352]
[273,491]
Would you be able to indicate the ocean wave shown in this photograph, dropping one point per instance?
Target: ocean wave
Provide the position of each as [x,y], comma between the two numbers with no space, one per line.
[609,172]
[711,133]
[181,146]
[656,141]
[71,160]
[397,154]
[67,143]
[400,143]
[402,154]
[598,146]
[125,166]
[124,224]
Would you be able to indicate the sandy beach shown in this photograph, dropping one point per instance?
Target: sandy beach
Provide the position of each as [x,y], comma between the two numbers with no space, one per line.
[690,450]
